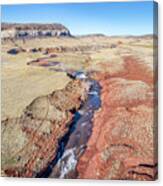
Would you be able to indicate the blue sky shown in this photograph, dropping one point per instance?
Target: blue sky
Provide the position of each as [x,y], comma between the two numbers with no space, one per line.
[118,18]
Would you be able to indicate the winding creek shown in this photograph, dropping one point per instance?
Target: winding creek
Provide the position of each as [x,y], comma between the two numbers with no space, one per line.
[73,143]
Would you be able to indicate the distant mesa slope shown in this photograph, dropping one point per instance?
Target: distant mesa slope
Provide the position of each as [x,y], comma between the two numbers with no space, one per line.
[19,30]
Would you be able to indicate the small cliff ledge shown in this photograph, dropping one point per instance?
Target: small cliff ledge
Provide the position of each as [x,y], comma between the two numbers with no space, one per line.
[19,30]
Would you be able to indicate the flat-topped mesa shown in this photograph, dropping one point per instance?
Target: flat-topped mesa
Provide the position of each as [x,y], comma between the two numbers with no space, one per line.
[20,30]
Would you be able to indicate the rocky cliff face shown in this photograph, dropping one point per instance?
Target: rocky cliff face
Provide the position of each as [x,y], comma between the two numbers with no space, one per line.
[10,30]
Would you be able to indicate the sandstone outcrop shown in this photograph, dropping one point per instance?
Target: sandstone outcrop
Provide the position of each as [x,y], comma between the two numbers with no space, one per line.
[123,144]
[29,143]
[15,30]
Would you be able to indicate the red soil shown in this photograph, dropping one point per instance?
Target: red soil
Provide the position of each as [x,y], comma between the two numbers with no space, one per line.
[123,140]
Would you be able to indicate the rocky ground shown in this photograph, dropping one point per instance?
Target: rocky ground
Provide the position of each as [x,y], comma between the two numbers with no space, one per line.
[120,137]
[124,137]
[30,142]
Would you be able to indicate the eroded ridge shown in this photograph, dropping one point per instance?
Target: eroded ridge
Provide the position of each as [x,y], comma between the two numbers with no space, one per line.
[30,142]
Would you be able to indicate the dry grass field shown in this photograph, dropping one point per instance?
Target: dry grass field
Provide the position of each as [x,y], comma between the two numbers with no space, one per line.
[22,83]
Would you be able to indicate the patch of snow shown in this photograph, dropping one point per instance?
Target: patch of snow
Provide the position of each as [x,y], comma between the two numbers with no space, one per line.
[70,164]
[93,93]
[81,112]
[84,123]
[81,76]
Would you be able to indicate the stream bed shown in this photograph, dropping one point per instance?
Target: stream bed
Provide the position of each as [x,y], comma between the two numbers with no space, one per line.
[73,143]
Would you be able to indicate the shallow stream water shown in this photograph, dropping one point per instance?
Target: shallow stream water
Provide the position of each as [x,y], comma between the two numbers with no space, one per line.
[73,143]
